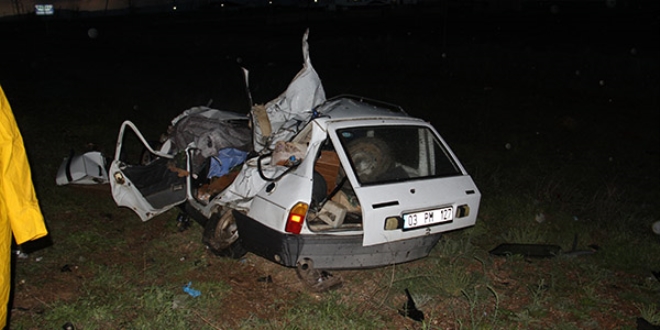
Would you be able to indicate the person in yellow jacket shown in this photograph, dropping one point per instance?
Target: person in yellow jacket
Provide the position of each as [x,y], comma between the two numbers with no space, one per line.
[19,209]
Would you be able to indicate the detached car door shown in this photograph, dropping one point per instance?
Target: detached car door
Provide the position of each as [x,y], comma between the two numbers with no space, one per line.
[407,180]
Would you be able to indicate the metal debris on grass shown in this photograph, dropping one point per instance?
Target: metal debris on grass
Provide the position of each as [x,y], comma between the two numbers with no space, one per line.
[410,310]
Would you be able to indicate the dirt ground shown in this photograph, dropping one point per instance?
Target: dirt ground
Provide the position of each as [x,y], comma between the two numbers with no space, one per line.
[151,69]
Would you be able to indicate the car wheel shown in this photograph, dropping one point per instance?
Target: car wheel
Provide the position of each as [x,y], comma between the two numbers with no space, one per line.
[221,236]
[371,158]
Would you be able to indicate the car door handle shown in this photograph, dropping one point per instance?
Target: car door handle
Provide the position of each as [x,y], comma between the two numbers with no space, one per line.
[384,204]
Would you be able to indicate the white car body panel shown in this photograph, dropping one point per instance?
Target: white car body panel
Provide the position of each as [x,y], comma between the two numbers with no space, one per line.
[428,194]
[85,169]
[271,208]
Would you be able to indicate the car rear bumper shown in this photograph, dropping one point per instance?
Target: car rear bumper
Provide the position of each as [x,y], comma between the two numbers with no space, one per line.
[328,251]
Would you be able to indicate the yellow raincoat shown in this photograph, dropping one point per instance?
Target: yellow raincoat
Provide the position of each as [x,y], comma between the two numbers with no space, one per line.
[19,209]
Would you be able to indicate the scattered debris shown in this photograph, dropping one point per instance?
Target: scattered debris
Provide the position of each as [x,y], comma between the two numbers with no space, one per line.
[527,250]
[541,250]
[575,252]
[20,254]
[23,309]
[656,227]
[85,169]
[410,310]
[539,217]
[643,324]
[192,292]
[316,279]
[182,221]
[265,279]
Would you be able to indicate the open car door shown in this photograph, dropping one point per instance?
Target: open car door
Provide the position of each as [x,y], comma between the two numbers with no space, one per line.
[151,188]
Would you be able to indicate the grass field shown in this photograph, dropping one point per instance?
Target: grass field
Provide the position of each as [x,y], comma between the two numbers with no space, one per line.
[557,122]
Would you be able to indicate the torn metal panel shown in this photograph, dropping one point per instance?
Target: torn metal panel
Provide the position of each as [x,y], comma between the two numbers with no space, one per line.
[86,169]
[210,130]
[293,107]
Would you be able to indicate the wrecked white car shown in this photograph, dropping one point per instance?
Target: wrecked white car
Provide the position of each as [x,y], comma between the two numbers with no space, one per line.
[303,181]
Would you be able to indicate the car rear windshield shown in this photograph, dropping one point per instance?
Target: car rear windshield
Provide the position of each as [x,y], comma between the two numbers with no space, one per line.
[396,153]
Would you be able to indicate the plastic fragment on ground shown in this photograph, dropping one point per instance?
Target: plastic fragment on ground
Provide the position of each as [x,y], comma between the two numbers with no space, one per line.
[192,292]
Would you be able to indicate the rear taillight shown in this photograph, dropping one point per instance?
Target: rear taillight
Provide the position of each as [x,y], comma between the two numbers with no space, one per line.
[296,218]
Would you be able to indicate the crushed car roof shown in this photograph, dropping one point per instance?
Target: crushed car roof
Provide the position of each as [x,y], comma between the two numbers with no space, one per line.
[350,107]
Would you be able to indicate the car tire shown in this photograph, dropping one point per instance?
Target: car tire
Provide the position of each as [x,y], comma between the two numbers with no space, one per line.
[221,236]
[371,158]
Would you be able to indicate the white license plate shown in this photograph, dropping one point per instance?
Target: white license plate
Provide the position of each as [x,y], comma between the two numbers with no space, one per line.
[427,218]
